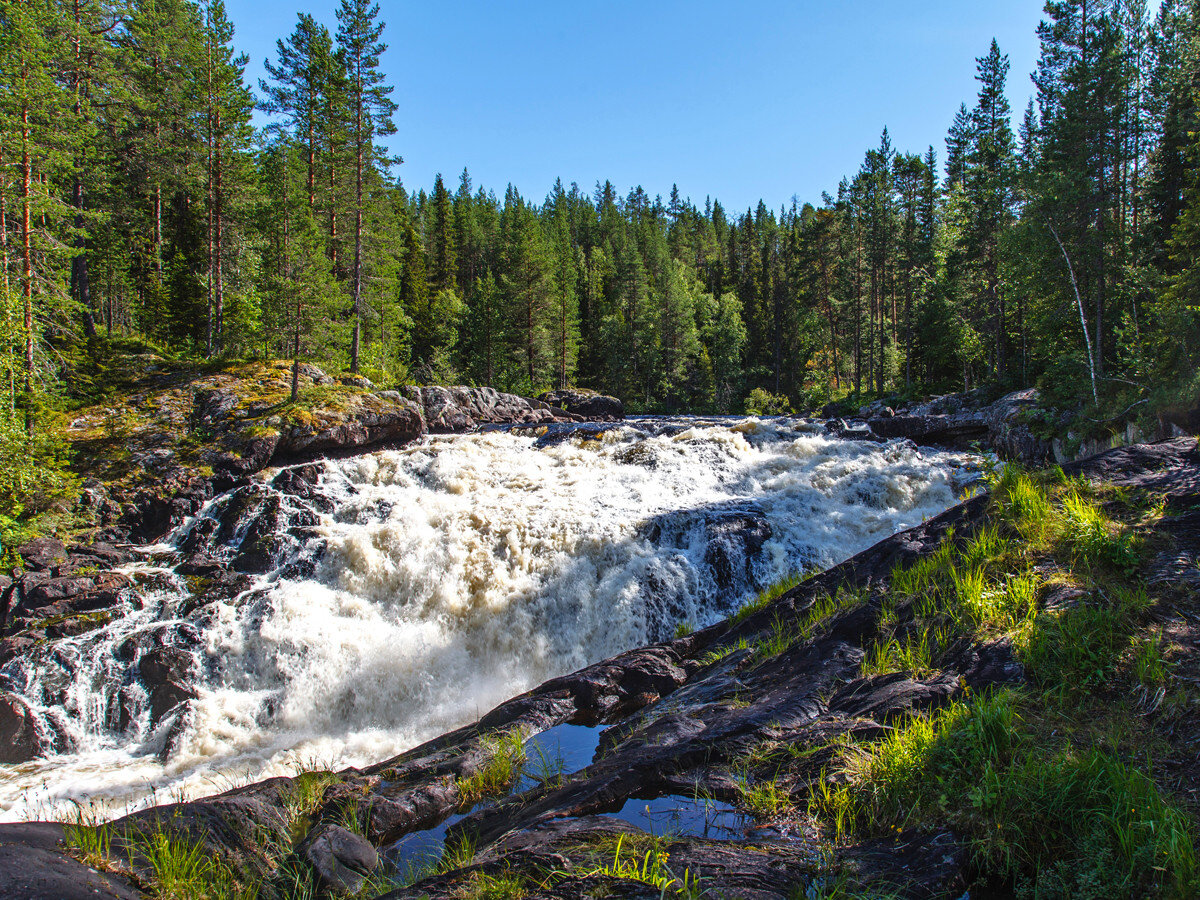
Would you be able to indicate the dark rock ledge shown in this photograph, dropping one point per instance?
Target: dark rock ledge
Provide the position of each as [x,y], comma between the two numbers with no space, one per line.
[1003,426]
[677,719]
[156,455]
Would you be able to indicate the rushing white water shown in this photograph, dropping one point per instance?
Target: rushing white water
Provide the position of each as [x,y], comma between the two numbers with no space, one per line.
[455,573]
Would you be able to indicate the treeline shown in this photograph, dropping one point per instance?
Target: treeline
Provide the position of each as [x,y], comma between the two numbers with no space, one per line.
[136,199]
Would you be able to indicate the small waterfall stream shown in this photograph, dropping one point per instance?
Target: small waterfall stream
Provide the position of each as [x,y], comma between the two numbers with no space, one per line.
[411,590]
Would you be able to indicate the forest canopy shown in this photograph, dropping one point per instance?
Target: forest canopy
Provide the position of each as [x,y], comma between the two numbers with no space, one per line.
[139,202]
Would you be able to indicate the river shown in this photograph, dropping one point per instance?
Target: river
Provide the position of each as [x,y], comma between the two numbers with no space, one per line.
[424,585]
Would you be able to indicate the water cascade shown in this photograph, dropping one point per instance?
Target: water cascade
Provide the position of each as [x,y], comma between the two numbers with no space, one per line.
[411,590]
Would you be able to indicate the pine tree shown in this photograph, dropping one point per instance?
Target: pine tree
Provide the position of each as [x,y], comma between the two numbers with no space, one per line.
[167,59]
[227,137]
[35,115]
[371,110]
[301,82]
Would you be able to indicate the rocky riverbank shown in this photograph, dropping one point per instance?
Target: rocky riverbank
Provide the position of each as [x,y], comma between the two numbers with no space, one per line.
[758,723]
[1016,427]
[173,438]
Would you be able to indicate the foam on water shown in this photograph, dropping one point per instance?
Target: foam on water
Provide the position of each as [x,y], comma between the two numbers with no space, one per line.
[458,572]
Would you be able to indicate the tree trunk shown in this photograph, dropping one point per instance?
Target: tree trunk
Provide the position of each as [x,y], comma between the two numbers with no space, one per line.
[219,243]
[837,379]
[27,258]
[10,330]
[80,285]
[312,165]
[209,225]
[358,217]
[333,253]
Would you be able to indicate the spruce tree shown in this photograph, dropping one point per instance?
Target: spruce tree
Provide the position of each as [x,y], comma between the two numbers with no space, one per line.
[41,144]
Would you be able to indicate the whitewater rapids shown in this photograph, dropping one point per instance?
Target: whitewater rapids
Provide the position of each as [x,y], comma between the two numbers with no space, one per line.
[454,573]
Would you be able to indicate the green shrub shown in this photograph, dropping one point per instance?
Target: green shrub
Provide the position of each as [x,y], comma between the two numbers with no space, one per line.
[762,402]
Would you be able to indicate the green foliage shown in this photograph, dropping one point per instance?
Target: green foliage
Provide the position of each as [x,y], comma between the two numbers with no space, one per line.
[1149,665]
[649,867]
[1080,649]
[34,482]
[761,402]
[763,799]
[185,232]
[767,596]
[1034,807]
[1093,539]
[505,752]
[498,886]
[87,833]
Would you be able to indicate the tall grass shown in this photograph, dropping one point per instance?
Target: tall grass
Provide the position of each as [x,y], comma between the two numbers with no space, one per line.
[1031,804]
[1092,539]
[768,595]
[185,870]
[505,758]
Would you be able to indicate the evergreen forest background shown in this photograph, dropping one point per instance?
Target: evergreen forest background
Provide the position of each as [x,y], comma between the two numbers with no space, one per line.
[141,210]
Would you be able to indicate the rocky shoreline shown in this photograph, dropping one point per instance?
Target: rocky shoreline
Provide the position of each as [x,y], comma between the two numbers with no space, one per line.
[673,719]
[219,433]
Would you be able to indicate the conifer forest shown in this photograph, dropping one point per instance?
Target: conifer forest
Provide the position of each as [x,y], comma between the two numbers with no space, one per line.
[1058,247]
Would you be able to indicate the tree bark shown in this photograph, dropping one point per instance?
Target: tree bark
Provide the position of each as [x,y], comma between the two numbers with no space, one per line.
[27,255]
[358,219]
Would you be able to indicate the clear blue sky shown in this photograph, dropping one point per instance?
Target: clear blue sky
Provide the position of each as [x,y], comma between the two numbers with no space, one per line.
[766,98]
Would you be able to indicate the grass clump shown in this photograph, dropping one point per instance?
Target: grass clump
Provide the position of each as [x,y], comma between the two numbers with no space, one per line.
[1092,539]
[1023,502]
[496,886]
[185,870]
[649,866]
[1082,648]
[1038,810]
[86,833]
[505,758]
[1149,664]
[764,799]
[914,654]
[302,797]
[768,595]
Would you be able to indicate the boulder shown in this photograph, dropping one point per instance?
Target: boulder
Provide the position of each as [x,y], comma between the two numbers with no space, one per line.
[22,736]
[166,674]
[371,420]
[339,858]
[441,412]
[835,410]
[313,374]
[43,554]
[211,406]
[735,539]
[588,404]
[33,866]
[44,593]
[356,381]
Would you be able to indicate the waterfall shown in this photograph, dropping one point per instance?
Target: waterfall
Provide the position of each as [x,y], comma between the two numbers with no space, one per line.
[411,590]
